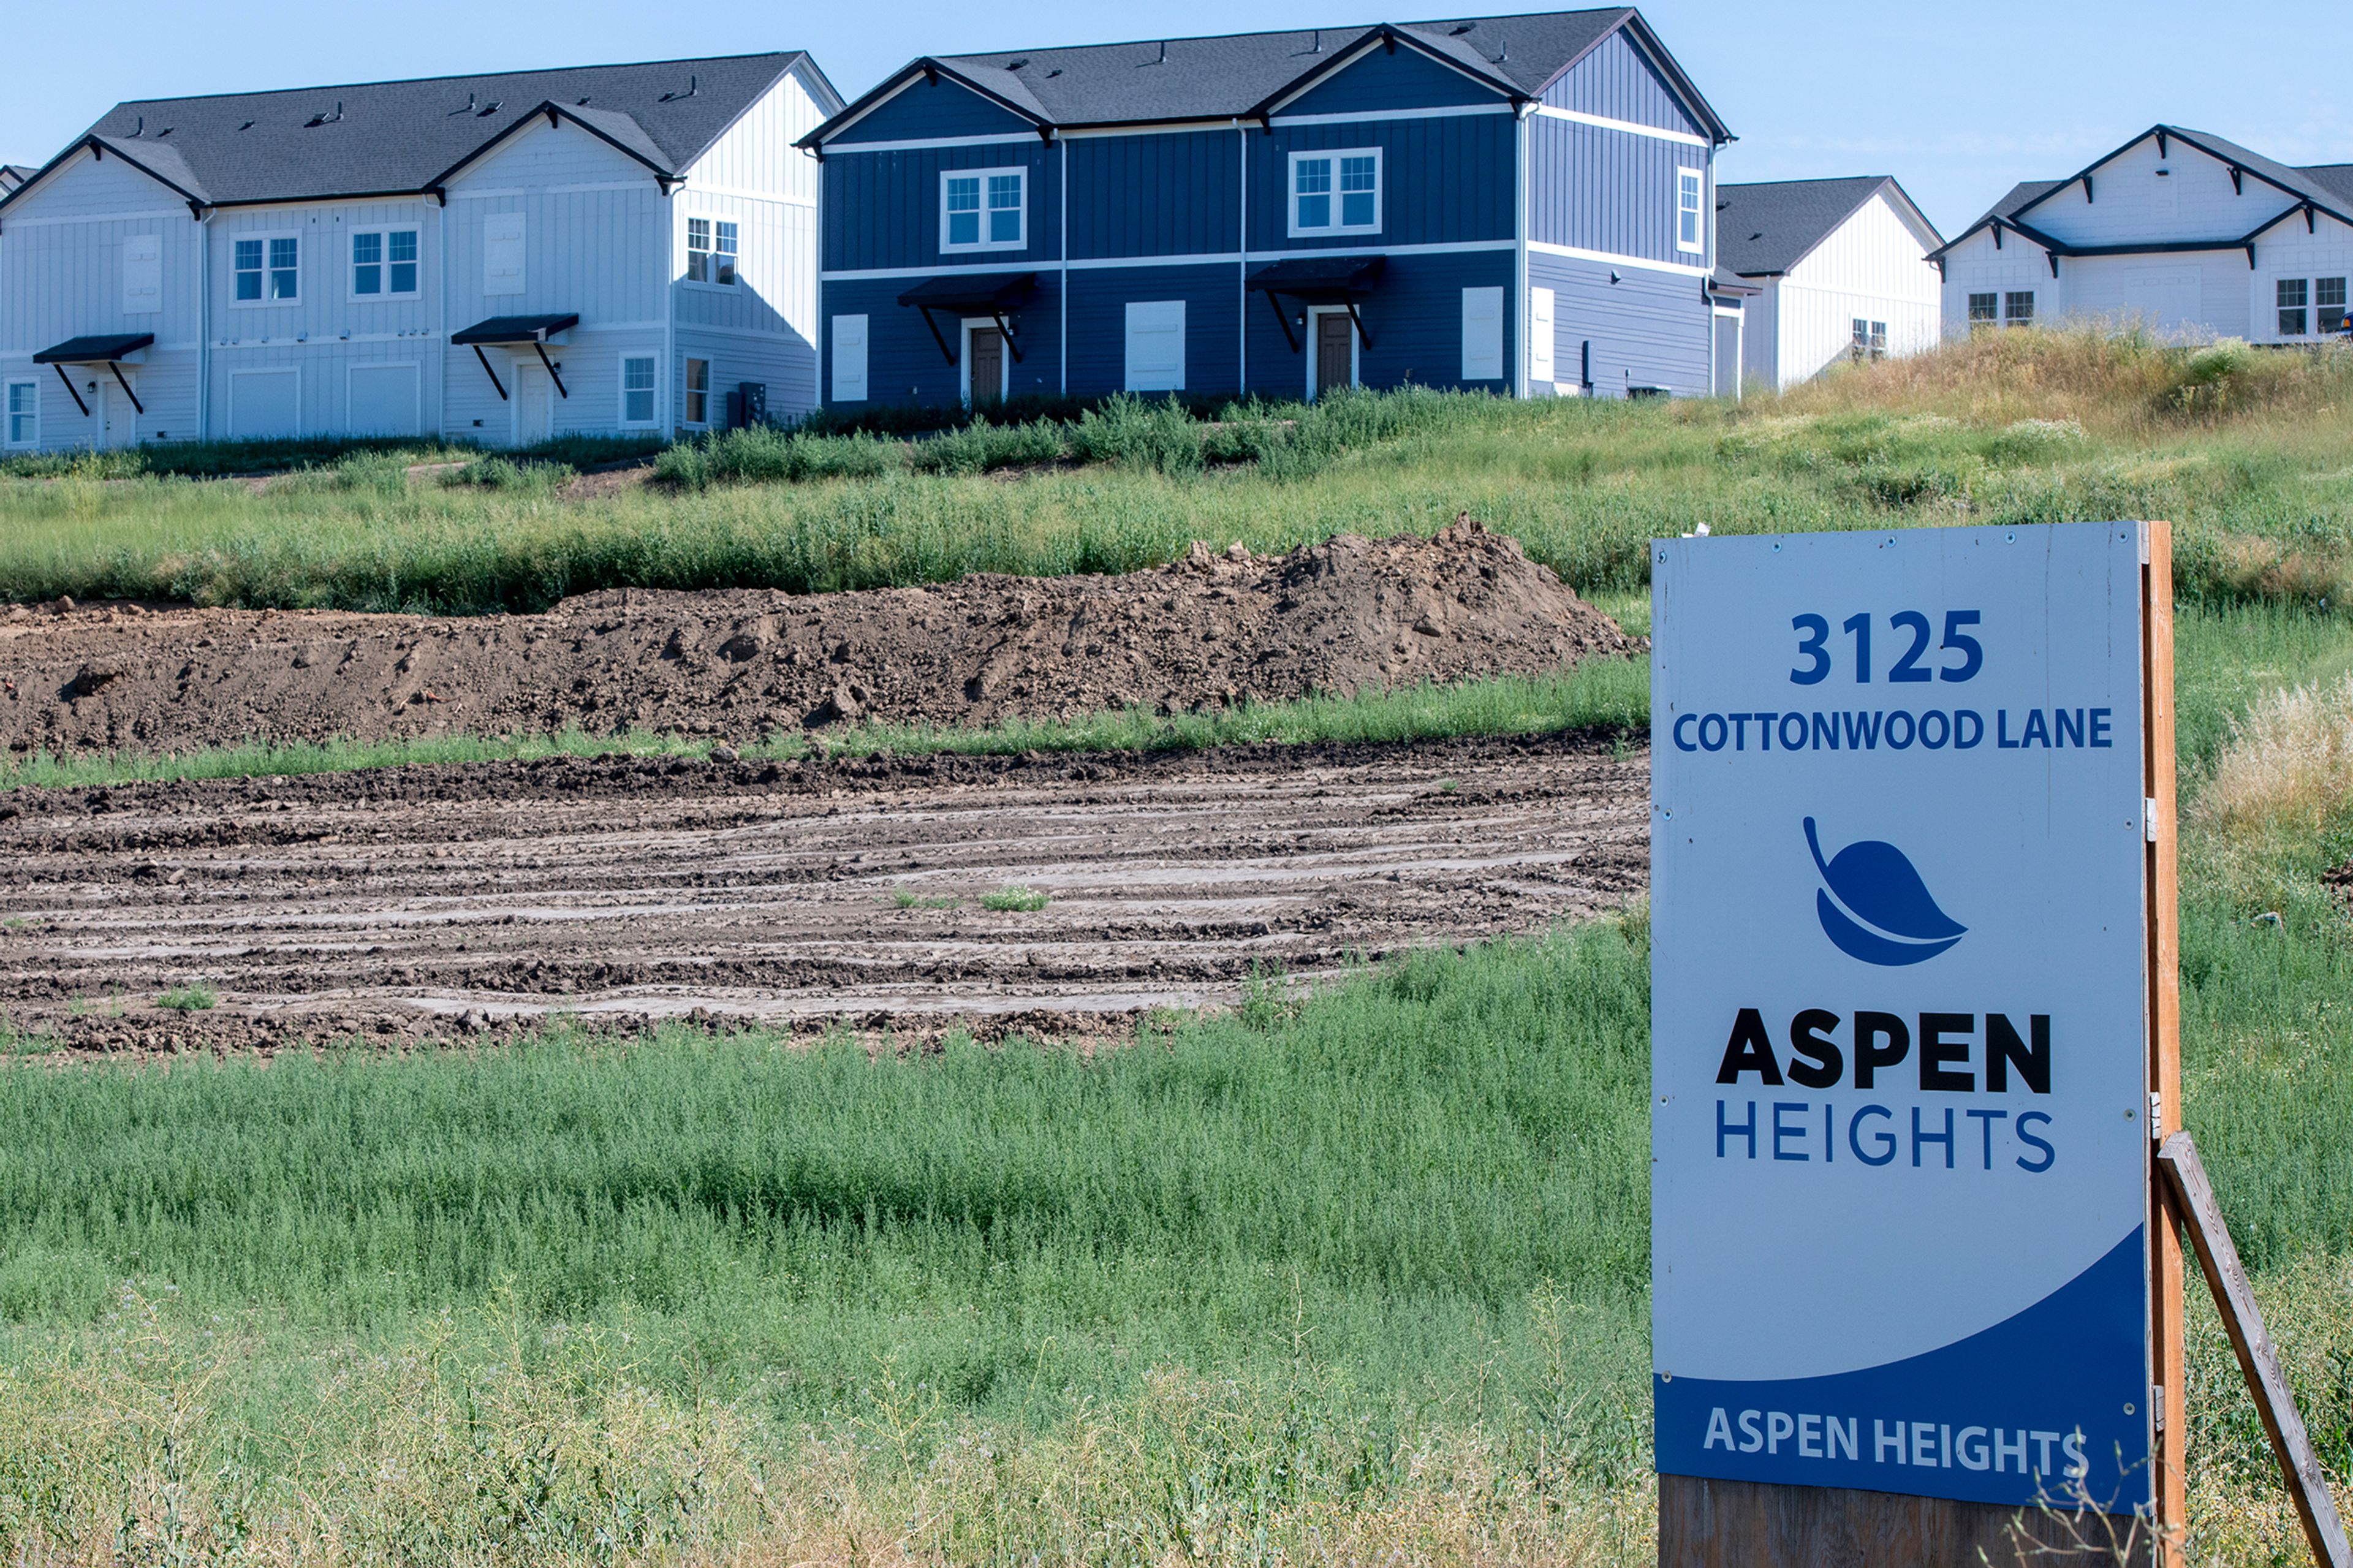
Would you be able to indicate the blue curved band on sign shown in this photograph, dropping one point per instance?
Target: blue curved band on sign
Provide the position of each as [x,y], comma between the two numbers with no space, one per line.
[1879,883]
[1998,1417]
[1869,945]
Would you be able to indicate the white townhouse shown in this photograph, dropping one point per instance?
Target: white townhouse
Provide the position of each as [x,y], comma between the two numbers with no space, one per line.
[500,258]
[1842,271]
[2178,228]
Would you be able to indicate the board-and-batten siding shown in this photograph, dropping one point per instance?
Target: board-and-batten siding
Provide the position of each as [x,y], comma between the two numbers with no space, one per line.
[2127,192]
[1446,180]
[1099,301]
[1616,82]
[1381,81]
[926,110]
[1172,195]
[1873,266]
[1613,191]
[888,206]
[904,365]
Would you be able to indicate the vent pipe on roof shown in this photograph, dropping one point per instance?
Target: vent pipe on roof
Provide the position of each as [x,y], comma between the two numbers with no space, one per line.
[1319,42]
[1507,55]
[468,110]
[140,128]
[693,85]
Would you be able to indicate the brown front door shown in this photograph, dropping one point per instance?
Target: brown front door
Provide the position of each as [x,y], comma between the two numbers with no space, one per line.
[987,365]
[1334,361]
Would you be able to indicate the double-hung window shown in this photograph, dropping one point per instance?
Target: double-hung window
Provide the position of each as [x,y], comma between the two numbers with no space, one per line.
[1985,309]
[1337,192]
[2329,304]
[1690,213]
[23,414]
[710,251]
[984,209]
[2293,296]
[2018,307]
[698,392]
[638,389]
[1869,339]
[268,269]
[383,264]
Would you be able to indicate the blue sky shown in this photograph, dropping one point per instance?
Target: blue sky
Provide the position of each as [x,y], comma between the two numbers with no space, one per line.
[1956,101]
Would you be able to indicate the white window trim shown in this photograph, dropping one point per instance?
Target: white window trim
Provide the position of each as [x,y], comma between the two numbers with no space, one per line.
[1290,191]
[963,361]
[1685,177]
[653,393]
[1355,347]
[710,394]
[352,267]
[265,302]
[686,277]
[6,387]
[984,243]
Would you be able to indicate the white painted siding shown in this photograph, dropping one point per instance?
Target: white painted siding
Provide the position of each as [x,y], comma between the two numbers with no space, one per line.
[2126,193]
[1975,265]
[1874,266]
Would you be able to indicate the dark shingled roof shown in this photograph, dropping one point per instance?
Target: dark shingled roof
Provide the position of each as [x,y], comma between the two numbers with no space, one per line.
[12,175]
[1763,230]
[2337,178]
[365,138]
[1238,73]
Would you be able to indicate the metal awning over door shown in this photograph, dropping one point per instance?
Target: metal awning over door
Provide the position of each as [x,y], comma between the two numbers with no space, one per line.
[515,331]
[1320,280]
[991,294]
[109,349]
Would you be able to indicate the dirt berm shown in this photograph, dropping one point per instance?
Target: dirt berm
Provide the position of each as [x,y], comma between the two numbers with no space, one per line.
[1212,628]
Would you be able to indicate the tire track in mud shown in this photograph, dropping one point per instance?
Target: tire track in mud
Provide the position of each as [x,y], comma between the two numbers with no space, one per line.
[454,901]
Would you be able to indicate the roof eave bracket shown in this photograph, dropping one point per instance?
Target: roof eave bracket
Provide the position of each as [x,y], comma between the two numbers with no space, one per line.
[2052,256]
[2237,181]
[2087,190]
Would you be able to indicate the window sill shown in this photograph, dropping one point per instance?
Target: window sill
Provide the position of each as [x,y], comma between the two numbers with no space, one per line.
[712,287]
[1336,233]
[999,248]
[383,298]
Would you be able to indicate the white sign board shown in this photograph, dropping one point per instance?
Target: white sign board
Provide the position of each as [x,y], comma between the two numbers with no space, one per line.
[1899,1118]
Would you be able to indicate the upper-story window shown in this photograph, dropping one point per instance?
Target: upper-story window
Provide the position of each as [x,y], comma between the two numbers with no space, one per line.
[383,264]
[1691,194]
[710,251]
[1337,192]
[268,269]
[984,209]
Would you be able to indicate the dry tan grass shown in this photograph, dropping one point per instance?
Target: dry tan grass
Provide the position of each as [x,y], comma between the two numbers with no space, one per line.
[2289,762]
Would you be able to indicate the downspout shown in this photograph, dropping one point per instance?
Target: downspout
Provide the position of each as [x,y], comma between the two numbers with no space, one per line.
[205,327]
[669,309]
[817,290]
[441,327]
[1242,264]
[1063,311]
[1519,311]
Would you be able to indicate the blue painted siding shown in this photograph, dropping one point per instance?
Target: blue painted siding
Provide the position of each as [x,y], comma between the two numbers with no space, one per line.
[1443,180]
[882,209]
[1611,190]
[904,365]
[1380,80]
[928,109]
[1649,329]
[1617,82]
[1171,195]
[1414,318]
[1099,300]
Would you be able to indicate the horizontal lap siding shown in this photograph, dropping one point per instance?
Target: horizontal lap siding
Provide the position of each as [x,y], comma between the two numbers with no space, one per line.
[1154,196]
[926,110]
[1614,191]
[1414,317]
[1443,180]
[788,367]
[166,384]
[1616,82]
[882,209]
[1099,300]
[1649,329]
[1381,81]
[904,365]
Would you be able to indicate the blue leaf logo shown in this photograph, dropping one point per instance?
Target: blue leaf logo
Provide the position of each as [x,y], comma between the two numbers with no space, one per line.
[1882,913]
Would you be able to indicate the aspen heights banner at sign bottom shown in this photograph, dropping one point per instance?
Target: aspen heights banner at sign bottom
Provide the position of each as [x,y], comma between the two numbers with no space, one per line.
[1900,1108]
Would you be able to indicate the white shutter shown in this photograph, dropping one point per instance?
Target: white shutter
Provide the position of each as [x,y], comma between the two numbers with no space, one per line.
[142,274]
[1540,376]
[1155,345]
[384,400]
[265,403]
[1483,334]
[502,253]
[850,359]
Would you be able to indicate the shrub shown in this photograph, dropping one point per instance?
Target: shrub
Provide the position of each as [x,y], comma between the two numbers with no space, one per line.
[188,999]
[1024,901]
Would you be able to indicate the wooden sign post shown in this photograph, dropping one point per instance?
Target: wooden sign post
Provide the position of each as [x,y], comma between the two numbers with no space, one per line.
[1916,1287]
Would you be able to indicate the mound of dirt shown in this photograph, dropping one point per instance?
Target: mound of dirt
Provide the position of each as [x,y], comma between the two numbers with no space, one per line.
[1210,629]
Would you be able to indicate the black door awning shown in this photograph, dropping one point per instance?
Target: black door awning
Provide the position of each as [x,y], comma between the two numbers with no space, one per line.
[516,332]
[108,349]
[990,294]
[1319,280]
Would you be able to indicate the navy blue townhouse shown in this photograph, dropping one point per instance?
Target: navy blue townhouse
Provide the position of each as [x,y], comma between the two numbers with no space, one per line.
[1523,204]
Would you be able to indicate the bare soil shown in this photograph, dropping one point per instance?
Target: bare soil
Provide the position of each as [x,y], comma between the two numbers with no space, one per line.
[408,904]
[1211,628]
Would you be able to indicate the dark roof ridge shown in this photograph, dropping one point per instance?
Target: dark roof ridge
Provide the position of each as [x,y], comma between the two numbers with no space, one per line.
[444,76]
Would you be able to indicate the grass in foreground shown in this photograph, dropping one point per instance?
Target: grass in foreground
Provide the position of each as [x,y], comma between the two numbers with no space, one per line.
[1601,693]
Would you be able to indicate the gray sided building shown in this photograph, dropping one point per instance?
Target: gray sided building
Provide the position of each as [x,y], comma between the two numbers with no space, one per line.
[1522,204]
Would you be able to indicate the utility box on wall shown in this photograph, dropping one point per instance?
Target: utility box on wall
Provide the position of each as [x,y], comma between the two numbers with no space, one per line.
[747,406]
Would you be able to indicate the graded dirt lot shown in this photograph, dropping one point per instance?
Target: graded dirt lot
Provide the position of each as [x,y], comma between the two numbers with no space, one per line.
[429,903]
[1212,628]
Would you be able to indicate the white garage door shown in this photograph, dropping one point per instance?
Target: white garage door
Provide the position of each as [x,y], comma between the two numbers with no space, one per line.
[264,404]
[384,400]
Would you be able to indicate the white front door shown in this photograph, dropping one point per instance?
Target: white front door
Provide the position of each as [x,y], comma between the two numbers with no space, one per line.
[534,403]
[117,415]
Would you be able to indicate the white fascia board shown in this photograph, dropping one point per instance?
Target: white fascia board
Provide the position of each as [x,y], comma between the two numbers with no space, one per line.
[1630,127]
[1226,259]
[1375,116]
[930,143]
[1611,258]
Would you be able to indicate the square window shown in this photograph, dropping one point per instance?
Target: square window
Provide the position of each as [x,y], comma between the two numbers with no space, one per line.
[1984,308]
[638,389]
[383,263]
[2018,307]
[23,414]
[1336,192]
[984,209]
[698,392]
[2292,295]
[1691,231]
